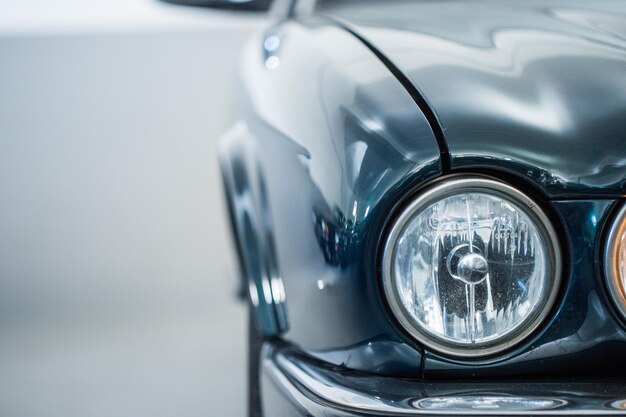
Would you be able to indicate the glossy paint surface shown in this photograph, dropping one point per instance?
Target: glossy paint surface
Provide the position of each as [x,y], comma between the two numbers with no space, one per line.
[537,88]
[334,138]
[334,145]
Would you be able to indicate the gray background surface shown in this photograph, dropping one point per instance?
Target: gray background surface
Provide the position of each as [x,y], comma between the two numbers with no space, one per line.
[115,296]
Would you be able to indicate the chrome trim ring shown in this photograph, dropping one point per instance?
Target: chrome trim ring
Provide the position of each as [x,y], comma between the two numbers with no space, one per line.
[498,189]
[611,274]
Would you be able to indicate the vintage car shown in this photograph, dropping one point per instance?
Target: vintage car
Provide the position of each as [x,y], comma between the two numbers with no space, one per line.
[428,205]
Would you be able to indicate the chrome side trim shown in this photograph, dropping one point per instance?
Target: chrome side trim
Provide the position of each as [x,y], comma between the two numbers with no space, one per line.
[349,391]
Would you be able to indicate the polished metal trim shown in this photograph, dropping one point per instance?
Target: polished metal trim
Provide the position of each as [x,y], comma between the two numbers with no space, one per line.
[451,187]
[611,273]
[303,381]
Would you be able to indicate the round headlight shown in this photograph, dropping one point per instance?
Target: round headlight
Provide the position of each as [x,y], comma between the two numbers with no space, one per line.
[471,267]
[615,261]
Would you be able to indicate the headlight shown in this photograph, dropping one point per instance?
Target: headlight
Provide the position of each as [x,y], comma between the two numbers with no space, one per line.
[471,267]
[615,261]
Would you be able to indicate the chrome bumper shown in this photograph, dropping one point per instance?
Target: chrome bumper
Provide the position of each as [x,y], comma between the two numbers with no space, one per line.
[294,384]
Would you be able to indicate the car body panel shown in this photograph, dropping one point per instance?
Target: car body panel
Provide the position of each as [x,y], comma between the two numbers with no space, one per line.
[337,145]
[537,88]
[334,137]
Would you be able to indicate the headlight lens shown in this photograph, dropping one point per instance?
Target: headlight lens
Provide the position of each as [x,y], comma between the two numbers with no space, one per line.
[615,262]
[471,267]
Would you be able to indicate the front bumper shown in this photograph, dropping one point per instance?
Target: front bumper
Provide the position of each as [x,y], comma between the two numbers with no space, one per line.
[293,384]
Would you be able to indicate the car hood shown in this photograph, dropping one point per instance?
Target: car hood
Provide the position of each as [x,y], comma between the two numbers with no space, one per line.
[534,87]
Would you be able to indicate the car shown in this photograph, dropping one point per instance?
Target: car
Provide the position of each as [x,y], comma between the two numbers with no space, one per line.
[427,201]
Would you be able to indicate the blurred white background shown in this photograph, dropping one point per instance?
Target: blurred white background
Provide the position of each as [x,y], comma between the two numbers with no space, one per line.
[115,297]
